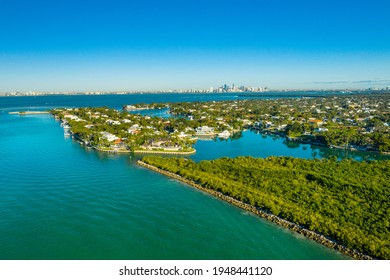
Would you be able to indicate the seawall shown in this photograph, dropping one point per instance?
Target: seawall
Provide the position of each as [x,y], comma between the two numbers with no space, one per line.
[122,151]
[164,152]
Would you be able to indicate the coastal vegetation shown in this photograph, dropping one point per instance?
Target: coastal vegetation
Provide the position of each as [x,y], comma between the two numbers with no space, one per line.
[347,201]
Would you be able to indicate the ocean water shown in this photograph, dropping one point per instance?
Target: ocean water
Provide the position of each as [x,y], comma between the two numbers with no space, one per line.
[59,200]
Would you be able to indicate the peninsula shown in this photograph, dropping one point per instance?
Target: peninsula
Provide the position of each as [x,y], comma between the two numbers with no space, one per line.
[343,205]
[110,130]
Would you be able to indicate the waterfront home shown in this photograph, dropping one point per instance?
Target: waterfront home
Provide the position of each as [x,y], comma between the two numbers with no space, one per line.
[204,130]
[164,145]
[281,127]
[73,117]
[224,134]
[257,124]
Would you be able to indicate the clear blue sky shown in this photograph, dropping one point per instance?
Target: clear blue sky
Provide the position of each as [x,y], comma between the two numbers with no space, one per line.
[171,44]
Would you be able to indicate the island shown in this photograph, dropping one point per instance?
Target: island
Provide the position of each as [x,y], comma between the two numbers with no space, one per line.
[341,204]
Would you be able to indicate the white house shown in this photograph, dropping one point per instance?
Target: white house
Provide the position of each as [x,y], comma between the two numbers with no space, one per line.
[204,130]
[110,137]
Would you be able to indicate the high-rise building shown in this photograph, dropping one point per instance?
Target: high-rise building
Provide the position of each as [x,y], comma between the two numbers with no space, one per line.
[225,87]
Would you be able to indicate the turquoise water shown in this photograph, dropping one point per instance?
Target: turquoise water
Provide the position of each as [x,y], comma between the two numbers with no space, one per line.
[59,200]
[259,145]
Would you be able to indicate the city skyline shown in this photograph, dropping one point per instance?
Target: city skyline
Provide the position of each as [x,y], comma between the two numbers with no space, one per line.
[131,46]
[220,89]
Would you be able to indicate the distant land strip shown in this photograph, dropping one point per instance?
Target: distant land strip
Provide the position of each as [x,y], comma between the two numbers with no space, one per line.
[283,95]
[29,113]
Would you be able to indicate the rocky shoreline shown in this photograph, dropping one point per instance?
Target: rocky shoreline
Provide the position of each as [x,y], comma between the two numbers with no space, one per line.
[273,218]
